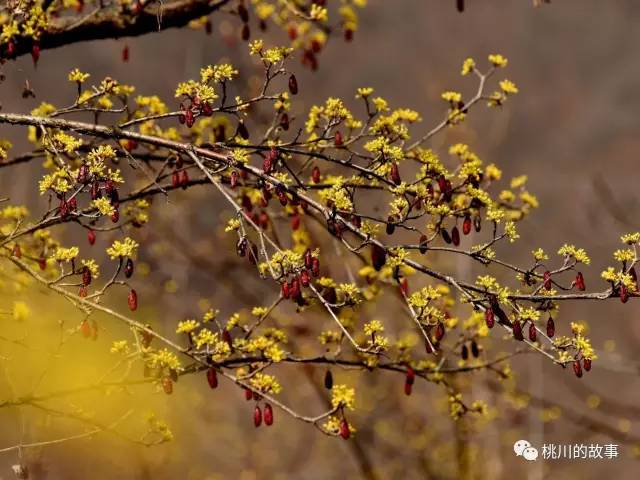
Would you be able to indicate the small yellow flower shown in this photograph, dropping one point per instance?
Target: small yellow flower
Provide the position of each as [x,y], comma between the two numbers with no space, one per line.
[498,60]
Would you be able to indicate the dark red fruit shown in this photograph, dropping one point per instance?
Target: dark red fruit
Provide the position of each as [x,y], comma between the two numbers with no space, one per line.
[257,416]
[440,331]
[577,368]
[517,330]
[212,377]
[295,222]
[17,251]
[248,394]
[132,300]
[551,328]
[445,235]
[533,333]
[85,329]
[294,287]
[546,280]
[337,139]
[175,179]
[293,84]
[408,387]
[586,363]
[345,431]
[115,216]
[315,267]
[128,268]
[464,351]
[477,223]
[475,351]
[455,236]
[35,52]
[624,293]
[184,179]
[489,317]
[83,174]
[378,257]
[284,121]
[315,174]
[233,181]
[391,226]
[91,237]
[243,13]
[395,174]
[328,380]
[304,278]
[580,282]
[245,33]
[466,225]
[423,244]
[86,276]
[242,130]
[268,415]
[308,259]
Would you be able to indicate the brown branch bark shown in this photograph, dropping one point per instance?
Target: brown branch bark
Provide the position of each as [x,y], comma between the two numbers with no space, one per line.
[68,30]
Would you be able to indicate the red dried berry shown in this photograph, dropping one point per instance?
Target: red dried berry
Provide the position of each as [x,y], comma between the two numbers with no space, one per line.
[132,300]
[295,222]
[624,293]
[35,53]
[586,363]
[315,267]
[466,225]
[378,257]
[517,330]
[285,290]
[268,415]
[248,394]
[128,268]
[315,174]
[577,368]
[348,35]
[292,31]
[86,276]
[125,53]
[226,336]
[242,130]
[477,223]
[408,387]
[580,282]
[455,236]
[167,385]
[11,49]
[423,244]
[464,351]
[245,33]
[82,292]
[212,377]
[241,247]
[440,331]
[345,431]
[115,216]
[257,416]
[546,280]
[445,236]
[391,226]
[17,251]
[175,179]
[404,287]
[42,263]
[243,13]
[83,174]
[460,5]
[284,121]
[475,351]
[184,180]
[294,287]
[293,84]
[489,317]
[395,174]
[533,333]
[304,278]
[337,139]
[551,328]
[308,259]
[328,380]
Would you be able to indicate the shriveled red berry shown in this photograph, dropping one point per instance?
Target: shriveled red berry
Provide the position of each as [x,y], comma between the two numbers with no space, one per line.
[517,330]
[477,223]
[315,174]
[294,287]
[245,33]
[546,280]
[184,179]
[337,139]
[304,278]
[423,244]
[242,130]
[586,363]
[395,174]
[404,287]
[489,317]
[233,181]
[175,179]
[115,216]
[445,235]
[345,431]
[293,84]
[85,328]
[464,351]
[295,221]
[226,336]
[17,251]
[128,268]
[83,174]
[243,13]
[624,293]
[257,416]
[315,267]
[475,351]
[82,292]
[86,276]
[132,300]
[35,52]
[577,368]
[440,331]
[167,385]
[308,259]
[408,388]
[284,121]
[580,282]
[285,290]
[328,380]
[248,394]
[533,333]
[455,236]
[212,377]
[551,328]
[268,415]
[466,225]
[391,226]
[378,257]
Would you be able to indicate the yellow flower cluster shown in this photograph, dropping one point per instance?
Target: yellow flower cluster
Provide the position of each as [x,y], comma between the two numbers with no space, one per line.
[125,248]
[343,396]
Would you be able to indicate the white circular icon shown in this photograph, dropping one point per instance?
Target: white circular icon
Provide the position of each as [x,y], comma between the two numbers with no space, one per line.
[520,446]
[530,453]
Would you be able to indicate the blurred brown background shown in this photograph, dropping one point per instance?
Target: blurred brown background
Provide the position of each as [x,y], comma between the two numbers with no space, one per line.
[573,129]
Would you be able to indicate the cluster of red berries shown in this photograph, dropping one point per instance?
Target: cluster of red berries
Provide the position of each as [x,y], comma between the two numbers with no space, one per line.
[196,107]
